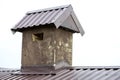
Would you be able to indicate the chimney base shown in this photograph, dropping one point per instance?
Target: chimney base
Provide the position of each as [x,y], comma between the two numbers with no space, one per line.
[37,68]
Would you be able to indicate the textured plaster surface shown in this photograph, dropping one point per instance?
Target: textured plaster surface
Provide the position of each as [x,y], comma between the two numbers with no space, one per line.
[55,47]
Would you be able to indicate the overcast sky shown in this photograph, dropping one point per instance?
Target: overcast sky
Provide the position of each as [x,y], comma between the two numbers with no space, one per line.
[100,46]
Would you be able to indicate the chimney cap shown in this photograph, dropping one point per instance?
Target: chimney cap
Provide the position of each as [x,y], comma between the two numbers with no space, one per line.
[56,16]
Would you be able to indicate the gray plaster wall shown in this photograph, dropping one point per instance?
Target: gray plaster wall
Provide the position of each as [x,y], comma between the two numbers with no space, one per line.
[55,47]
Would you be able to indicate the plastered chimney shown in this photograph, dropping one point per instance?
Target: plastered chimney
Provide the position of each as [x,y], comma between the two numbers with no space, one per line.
[47,37]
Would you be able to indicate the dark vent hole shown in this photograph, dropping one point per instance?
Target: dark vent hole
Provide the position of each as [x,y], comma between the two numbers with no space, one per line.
[38,36]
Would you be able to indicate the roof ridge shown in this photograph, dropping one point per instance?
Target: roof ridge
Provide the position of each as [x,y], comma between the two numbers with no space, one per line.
[47,9]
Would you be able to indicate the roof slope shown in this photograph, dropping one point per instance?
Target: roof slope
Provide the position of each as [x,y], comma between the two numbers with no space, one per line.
[73,73]
[62,16]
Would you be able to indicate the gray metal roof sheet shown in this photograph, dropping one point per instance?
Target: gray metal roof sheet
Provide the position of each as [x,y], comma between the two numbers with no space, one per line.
[71,73]
[56,16]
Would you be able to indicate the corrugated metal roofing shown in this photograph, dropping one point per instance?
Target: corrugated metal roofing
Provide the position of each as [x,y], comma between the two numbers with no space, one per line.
[73,73]
[56,16]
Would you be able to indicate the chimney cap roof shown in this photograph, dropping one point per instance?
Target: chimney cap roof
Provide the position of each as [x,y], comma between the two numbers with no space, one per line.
[56,16]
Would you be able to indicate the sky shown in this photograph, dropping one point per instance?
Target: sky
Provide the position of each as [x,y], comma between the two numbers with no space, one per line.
[100,19]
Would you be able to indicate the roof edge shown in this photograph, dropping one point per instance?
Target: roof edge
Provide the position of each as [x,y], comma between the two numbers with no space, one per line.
[61,18]
[46,9]
[80,28]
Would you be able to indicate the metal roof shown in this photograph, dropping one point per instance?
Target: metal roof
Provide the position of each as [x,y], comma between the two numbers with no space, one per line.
[62,16]
[71,73]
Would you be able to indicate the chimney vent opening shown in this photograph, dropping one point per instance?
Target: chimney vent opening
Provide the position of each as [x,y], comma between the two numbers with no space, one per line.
[37,36]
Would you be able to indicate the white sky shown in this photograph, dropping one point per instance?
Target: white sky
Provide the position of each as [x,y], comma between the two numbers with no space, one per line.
[100,46]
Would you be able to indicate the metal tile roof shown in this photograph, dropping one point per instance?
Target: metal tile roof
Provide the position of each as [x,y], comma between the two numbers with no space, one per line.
[72,73]
[56,16]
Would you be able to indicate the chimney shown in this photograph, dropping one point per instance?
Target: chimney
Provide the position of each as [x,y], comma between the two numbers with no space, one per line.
[47,37]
